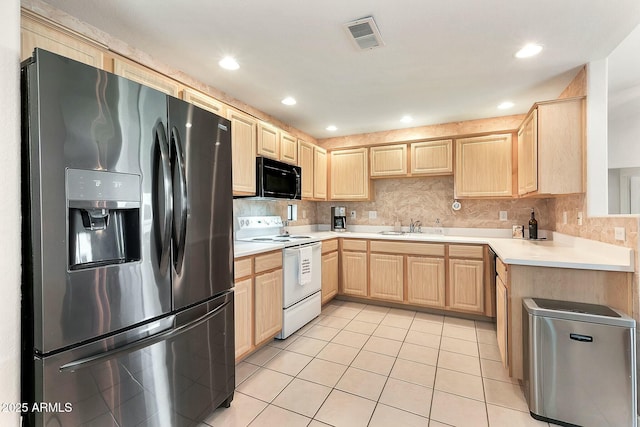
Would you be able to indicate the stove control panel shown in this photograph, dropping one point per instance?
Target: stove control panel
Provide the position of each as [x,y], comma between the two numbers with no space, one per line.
[258,222]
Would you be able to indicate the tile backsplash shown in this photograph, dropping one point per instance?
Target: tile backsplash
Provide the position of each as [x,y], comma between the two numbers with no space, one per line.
[428,199]
[246,207]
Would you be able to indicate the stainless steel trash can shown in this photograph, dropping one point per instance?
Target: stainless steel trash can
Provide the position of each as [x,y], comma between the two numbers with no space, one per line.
[579,363]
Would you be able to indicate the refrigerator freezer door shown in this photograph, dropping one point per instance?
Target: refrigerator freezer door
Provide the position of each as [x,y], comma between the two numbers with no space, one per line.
[86,119]
[202,232]
[173,378]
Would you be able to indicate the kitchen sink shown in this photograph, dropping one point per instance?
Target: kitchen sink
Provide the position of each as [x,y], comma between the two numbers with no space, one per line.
[392,233]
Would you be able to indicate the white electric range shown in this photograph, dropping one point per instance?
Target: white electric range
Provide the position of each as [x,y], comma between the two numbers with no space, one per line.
[301,264]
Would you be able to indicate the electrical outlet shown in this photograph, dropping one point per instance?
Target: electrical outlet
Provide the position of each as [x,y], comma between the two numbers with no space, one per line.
[619,233]
[373,214]
[564,217]
[353,214]
[503,215]
[579,218]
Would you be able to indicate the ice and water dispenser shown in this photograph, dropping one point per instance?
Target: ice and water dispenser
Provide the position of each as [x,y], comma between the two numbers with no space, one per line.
[103,218]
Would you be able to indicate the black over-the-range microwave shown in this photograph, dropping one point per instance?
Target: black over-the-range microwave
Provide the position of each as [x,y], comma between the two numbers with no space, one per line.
[277,180]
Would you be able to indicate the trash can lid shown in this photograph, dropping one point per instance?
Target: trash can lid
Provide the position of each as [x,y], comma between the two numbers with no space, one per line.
[580,311]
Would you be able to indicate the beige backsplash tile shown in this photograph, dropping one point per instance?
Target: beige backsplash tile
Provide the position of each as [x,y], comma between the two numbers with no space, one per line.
[428,199]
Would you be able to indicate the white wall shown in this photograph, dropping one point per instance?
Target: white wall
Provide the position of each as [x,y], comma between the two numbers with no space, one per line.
[10,208]
[624,140]
[597,138]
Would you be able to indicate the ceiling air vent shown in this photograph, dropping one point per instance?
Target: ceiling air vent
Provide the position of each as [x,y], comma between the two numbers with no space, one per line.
[364,33]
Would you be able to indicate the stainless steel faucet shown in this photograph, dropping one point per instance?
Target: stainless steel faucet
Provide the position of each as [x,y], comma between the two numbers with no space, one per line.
[415,226]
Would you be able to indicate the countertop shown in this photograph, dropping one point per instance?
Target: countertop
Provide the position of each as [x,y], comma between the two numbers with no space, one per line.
[560,251]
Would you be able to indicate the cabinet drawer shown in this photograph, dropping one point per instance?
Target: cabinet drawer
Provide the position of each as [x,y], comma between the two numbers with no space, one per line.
[395,247]
[465,251]
[501,269]
[268,261]
[329,245]
[354,245]
[242,268]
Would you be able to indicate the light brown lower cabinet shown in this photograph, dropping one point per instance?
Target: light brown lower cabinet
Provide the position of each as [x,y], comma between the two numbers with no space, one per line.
[243,316]
[466,285]
[425,281]
[257,301]
[502,304]
[353,273]
[329,276]
[268,305]
[386,277]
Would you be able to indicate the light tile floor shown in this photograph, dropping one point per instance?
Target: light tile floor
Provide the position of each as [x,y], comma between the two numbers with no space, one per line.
[364,365]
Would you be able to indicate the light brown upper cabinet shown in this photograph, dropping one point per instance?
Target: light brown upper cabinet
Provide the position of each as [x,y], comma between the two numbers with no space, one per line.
[432,157]
[551,148]
[319,173]
[350,174]
[36,33]
[484,166]
[388,160]
[243,148]
[305,161]
[268,141]
[143,75]
[204,101]
[288,148]
[313,161]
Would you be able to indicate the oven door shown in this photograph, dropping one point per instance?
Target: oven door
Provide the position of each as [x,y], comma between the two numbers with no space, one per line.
[294,291]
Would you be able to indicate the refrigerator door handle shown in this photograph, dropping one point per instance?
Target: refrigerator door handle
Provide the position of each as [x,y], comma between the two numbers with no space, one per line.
[86,362]
[165,237]
[177,154]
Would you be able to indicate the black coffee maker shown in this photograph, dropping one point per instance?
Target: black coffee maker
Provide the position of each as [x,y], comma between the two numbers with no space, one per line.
[338,218]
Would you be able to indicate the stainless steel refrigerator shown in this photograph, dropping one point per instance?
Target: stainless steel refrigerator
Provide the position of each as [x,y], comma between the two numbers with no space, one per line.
[128,257]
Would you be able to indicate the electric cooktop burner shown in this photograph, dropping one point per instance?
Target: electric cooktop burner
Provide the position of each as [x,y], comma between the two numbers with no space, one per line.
[269,229]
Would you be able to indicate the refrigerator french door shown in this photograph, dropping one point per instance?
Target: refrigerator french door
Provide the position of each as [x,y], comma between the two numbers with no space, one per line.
[127,255]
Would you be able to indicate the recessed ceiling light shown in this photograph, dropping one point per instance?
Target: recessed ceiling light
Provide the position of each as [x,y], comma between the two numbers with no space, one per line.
[505,105]
[529,50]
[228,63]
[289,101]
[332,128]
[406,119]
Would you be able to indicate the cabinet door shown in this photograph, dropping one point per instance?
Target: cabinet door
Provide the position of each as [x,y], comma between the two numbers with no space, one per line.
[561,133]
[466,289]
[243,148]
[145,76]
[386,280]
[354,273]
[243,315]
[483,166]
[319,173]
[350,174]
[268,305]
[329,276]
[34,33]
[432,157]
[305,161]
[425,281]
[502,302]
[204,101]
[388,160]
[288,148]
[528,154]
[268,141]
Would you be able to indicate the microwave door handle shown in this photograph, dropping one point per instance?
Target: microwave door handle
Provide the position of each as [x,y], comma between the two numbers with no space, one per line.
[165,236]
[178,157]
[298,178]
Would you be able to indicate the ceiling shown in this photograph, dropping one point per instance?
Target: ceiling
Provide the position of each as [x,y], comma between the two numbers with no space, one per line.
[443,61]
